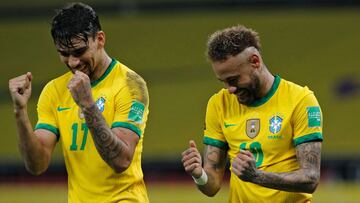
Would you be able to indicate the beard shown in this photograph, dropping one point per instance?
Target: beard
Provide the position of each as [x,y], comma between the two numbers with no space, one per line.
[248,94]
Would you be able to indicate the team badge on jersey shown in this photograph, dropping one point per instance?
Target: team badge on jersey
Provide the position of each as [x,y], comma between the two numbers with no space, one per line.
[252,127]
[100,103]
[275,124]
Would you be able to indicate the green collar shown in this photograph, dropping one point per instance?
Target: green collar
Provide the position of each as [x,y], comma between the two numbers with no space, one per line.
[271,92]
[108,70]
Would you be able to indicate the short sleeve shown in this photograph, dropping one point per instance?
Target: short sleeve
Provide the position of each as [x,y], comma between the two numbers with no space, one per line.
[307,120]
[131,104]
[46,110]
[213,134]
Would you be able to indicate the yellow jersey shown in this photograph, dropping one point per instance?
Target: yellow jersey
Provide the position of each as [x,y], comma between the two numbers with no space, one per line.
[270,128]
[122,97]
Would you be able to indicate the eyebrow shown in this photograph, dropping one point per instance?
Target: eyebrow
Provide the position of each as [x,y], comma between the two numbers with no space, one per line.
[229,78]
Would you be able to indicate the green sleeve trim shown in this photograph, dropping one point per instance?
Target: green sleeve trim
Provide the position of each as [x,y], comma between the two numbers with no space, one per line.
[128,126]
[215,143]
[307,138]
[50,128]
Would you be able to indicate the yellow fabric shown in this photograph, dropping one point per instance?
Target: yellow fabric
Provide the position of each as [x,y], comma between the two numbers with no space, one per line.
[279,122]
[119,93]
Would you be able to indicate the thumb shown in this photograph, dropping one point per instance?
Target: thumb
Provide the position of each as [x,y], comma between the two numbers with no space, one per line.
[29,76]
[192,144]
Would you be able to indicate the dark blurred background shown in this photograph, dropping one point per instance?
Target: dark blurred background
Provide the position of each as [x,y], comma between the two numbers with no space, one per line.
[312,43]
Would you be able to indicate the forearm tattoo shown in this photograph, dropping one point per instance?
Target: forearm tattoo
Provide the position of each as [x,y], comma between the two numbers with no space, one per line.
[303,180]
[106,142]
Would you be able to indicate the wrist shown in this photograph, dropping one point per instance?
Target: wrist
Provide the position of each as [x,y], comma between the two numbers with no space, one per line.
[256,176]
[88,106]
[19,109]
[202,180]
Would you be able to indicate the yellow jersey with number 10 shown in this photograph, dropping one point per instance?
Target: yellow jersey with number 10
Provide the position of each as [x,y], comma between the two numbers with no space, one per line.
[122,97]
[270,128]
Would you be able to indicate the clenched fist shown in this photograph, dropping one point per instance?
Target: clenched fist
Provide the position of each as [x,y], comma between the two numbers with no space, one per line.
[244,166]
[20,90]
[191,159]
[80,89]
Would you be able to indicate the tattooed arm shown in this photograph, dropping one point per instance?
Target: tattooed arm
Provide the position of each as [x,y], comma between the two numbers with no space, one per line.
[305,179]
[214,166]
[115,146]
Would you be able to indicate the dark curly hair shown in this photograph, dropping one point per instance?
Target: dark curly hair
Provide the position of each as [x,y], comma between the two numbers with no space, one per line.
[230,42]
[75,20]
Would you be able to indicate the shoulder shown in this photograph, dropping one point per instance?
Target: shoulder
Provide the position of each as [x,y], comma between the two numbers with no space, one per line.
[133,82]
[293,90]
[223,98]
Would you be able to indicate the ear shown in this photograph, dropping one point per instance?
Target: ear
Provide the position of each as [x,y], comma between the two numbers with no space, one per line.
[255,60]
[101,39]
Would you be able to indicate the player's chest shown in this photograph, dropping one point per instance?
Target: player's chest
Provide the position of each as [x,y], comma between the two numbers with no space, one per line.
[68,112]
[272,124]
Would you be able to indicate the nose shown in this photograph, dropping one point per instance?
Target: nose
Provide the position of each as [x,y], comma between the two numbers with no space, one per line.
[73,62]
[231,89]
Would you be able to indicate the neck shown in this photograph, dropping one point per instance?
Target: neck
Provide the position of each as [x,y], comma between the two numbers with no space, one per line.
[101,67]
[268,81]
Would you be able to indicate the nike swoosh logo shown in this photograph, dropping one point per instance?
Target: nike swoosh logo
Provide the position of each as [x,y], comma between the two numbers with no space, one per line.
[63,108]
[229,125]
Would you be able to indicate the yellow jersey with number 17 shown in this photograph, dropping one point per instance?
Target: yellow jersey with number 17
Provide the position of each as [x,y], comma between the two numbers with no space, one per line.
[270,128]
[122,97]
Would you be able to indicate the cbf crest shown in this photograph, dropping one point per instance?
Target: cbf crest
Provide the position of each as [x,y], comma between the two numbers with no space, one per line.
[252,127]
[275,124]
[100,103]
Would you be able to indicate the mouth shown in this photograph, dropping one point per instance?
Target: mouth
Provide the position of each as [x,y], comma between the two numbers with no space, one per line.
[244,96]
[83,69]
[242,93]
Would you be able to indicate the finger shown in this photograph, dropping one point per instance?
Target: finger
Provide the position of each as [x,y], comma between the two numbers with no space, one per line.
[191,168]
[235,170]
[193,160]
[189,151]
[247,153]
[190,154]
[29,76]
[192,144]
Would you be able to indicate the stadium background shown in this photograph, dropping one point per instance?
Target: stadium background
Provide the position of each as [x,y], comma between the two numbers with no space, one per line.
[311,43]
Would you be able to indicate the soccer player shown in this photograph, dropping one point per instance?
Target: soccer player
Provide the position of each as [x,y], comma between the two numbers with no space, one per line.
[269,128]
[98,110]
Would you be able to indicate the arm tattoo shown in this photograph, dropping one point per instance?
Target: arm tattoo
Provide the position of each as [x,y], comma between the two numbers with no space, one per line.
[106,142]
[303,180]
[214,165]
[215,157]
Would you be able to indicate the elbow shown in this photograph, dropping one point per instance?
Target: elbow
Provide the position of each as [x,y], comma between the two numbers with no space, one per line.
[121,166]
[312,183]
[35,171]
[211,194]
[311,187]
